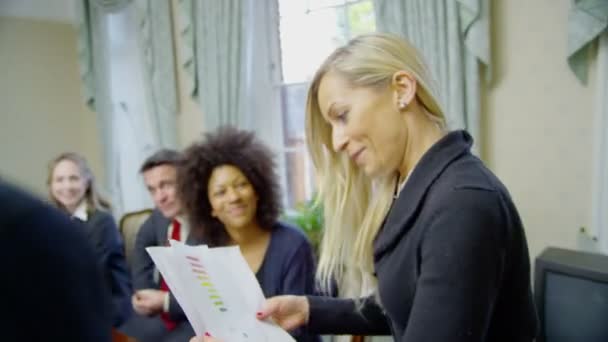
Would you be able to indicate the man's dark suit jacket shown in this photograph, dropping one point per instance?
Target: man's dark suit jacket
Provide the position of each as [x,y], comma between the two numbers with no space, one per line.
[451,260]
[101,230]
[52,288]
[153,232]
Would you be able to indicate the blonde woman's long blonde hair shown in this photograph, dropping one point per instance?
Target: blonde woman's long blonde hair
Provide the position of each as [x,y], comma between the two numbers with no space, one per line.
[355,205]
[95,201]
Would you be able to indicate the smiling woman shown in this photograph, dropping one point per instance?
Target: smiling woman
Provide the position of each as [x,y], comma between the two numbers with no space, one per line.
[226,184]
[229,188]
[72,189]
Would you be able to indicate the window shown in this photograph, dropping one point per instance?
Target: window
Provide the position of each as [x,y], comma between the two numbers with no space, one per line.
[329,24]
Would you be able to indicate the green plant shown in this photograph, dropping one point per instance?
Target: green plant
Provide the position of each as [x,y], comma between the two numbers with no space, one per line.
[308,217]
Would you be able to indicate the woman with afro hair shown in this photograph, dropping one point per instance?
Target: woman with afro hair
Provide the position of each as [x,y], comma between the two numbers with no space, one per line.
[231,194]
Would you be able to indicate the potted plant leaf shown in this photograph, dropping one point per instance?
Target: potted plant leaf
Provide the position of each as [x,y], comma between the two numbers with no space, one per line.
[309,217]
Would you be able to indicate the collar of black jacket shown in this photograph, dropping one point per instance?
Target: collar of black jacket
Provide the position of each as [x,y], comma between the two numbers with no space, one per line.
[429,168]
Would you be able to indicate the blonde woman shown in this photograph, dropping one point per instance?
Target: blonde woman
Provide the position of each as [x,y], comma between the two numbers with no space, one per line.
[415,225]
[72,189]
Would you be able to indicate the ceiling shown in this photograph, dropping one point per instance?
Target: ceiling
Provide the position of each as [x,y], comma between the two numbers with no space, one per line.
[51,10]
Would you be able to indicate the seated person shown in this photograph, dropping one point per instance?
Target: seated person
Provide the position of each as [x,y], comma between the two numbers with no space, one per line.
[231,195]
[159,317]
[72,189]
[53,288]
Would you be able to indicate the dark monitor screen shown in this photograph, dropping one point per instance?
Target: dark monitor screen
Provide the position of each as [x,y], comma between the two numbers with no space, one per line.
[571,292]
[575,309]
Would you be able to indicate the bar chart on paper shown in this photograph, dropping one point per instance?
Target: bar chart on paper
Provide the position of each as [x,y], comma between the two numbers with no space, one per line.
[205,281]
[217,291]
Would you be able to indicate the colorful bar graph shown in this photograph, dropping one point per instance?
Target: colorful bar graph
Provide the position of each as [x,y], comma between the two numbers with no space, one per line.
[199,270]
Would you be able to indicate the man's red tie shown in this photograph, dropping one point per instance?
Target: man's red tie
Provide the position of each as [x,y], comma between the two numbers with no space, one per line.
[175,235]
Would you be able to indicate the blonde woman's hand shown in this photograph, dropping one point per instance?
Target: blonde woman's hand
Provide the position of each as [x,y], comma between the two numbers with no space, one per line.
[289,312]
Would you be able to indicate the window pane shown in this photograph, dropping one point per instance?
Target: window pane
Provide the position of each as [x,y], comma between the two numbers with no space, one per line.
[307,39]
[361,18]
[320,4]
[298,174]
[309,32]
[289,8]
[293,98]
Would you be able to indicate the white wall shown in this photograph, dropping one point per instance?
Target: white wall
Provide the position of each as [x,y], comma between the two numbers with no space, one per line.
[48,10]
[41,111]
[538,121]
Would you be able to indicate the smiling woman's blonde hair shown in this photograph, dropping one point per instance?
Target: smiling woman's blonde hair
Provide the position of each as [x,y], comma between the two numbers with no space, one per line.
[355,205]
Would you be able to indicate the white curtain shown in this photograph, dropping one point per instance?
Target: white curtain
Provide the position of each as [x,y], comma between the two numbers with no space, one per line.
[262,91]
[128,81]
[586,21]
[112,5]
[230,51]
[214,49]
[453,37]
[156,43]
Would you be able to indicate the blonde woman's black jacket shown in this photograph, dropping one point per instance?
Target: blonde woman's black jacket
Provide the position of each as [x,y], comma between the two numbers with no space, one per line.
[451,260]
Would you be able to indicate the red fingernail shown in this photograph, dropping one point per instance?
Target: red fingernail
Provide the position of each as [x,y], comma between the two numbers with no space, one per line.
[207,334]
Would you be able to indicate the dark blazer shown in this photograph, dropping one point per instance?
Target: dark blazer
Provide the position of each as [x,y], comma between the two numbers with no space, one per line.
[53,287]
[451,259]
[153,232]
[101,230]
[288,268]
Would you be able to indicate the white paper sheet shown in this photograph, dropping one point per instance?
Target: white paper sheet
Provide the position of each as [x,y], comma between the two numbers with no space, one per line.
[217,291]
